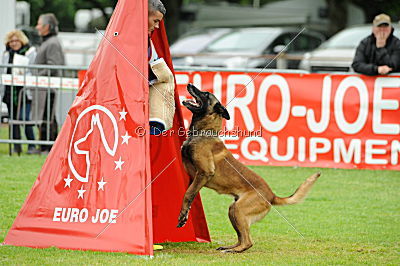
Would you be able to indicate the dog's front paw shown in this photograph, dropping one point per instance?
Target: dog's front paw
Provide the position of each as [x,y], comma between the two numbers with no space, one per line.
[183,217]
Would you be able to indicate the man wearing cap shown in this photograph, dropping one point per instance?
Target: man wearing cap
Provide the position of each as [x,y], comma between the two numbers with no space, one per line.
[379,53]
[161,78]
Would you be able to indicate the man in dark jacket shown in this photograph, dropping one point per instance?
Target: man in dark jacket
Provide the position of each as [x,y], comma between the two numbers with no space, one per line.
[379,53]
[49,53]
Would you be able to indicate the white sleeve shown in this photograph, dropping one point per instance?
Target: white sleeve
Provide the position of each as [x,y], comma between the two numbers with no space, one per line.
[154,55]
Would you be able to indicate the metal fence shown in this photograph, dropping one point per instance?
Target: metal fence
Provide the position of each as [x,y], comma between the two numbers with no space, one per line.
[26,88]
[35,98]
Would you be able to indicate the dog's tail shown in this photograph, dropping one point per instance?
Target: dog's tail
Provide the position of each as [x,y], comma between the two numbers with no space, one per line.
[300,193]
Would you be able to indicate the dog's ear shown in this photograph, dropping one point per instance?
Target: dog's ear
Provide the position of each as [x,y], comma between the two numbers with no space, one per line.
[220,109]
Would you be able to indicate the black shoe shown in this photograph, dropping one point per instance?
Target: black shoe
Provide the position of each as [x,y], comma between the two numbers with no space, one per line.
[45,152]
[33,150]
[17,150]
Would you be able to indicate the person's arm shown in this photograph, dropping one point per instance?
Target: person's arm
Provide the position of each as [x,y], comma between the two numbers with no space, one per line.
[360,64]
[392,60]
[31,54]
[40,60]
[41,72]
[3,59]
[2,71]
[54,56]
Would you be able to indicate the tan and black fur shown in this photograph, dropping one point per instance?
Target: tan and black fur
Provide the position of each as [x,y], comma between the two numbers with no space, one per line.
[210,164]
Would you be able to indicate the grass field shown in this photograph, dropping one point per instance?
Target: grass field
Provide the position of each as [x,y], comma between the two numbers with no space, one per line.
[350,217]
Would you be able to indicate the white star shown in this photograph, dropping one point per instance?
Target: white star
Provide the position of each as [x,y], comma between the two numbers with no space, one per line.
[119,164]
[122,114]
[101,184]
[81,191]
[125,138]
[68,181]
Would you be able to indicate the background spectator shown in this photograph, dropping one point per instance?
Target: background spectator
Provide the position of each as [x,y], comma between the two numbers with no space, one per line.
[378,53]
[18,52]
[49,53]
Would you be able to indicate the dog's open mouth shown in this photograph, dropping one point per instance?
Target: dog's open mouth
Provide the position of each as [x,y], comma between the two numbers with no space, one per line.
[192,102]
[196,102]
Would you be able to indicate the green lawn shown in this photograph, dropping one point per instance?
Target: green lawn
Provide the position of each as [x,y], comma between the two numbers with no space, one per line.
[350,217]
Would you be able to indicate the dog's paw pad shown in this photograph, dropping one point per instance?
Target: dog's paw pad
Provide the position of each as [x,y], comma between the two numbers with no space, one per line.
[228,251]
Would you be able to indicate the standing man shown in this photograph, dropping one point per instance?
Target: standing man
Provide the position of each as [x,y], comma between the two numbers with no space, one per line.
[156,12]
[161,79]
[49,53]
[379,53]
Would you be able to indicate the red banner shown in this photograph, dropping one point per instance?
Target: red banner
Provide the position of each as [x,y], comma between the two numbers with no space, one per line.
[315,120]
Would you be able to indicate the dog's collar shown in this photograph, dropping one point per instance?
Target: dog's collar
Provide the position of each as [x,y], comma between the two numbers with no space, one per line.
[203,133]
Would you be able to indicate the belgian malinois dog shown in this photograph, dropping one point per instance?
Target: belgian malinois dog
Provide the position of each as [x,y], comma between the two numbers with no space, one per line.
[210,164]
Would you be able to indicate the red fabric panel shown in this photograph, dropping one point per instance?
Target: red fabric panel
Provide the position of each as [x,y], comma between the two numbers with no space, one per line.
[170,186]
[90,150]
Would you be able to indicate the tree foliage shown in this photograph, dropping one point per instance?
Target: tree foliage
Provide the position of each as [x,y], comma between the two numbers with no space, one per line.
[372,8]
[65,10]
[337,10]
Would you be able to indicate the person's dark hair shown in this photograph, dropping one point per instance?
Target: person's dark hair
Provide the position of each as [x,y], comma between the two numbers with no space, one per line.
[157,5]
[51,20]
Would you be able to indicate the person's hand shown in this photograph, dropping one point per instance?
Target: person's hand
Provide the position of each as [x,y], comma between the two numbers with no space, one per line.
[380,40]
[383,70]
[381,35]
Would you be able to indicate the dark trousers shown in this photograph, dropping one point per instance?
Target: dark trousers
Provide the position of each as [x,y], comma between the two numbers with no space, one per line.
[15,130]
[48,131]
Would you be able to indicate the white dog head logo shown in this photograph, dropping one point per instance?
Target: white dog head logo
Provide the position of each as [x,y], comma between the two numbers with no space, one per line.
[95,121]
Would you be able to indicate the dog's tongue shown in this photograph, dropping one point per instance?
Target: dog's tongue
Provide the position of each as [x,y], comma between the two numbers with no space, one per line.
[192,102]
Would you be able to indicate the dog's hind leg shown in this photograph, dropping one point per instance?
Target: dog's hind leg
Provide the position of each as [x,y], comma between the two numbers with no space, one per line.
[233,222]
[241,224]
[247,210]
